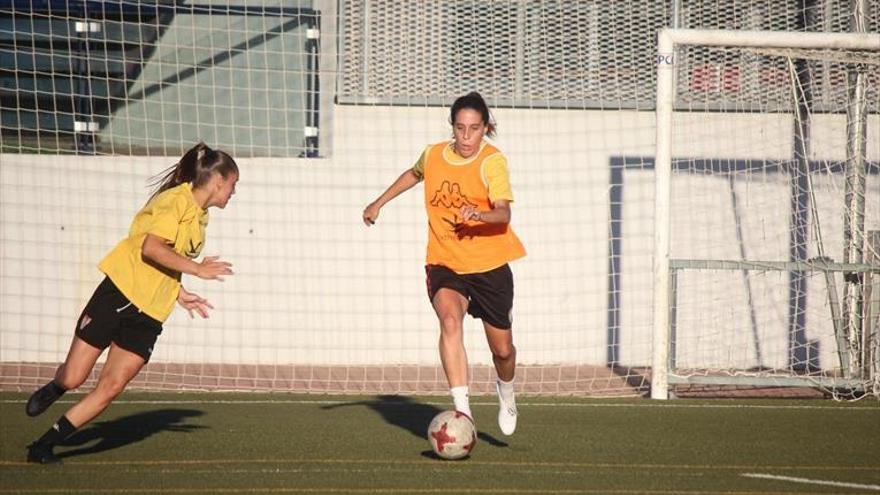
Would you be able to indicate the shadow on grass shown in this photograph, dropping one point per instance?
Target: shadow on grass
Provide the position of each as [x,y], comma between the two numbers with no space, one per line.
[410,415]
[128,430]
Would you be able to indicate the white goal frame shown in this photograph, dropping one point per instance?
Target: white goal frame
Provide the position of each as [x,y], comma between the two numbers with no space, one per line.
[668,41]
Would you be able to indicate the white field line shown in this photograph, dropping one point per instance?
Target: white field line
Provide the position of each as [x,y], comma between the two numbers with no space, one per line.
[839,484]
[360,399]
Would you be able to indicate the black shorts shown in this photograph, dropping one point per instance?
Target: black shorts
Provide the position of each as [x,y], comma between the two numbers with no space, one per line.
[110,317]
[489,294]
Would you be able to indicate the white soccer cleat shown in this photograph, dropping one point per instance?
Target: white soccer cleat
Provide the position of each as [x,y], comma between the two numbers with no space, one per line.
[506,412]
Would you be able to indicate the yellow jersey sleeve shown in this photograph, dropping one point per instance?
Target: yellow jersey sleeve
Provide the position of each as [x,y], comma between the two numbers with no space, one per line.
[162,217]
[418,167]
[497,178]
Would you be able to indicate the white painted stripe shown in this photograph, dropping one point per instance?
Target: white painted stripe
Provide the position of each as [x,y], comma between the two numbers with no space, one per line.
[839,484]
[357,398]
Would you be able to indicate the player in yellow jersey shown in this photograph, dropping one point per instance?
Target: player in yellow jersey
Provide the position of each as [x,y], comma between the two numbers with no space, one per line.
[470,242]
[142,283]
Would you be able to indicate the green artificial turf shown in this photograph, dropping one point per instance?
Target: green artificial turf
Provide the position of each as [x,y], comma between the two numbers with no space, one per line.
[170,443]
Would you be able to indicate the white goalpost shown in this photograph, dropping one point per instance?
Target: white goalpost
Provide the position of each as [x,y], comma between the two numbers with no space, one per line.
[760,305]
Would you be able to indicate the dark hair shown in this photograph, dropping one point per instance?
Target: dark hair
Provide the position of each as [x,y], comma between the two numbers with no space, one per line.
[196,166]
[474,101]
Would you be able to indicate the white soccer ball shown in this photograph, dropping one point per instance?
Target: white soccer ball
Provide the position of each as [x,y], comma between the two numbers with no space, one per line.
[452,434]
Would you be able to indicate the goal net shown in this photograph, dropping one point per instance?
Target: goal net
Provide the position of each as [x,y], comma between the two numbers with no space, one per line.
[323,103]
[767,270]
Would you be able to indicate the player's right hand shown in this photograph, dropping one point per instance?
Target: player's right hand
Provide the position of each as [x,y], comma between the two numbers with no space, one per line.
[371,214]
[211,268]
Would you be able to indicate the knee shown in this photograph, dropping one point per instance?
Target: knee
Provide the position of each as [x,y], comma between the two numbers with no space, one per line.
[450,325]
[504,352]
[69,381]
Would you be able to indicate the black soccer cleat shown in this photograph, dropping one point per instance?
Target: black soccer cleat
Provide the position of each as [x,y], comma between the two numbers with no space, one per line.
[41,453]
[43,398]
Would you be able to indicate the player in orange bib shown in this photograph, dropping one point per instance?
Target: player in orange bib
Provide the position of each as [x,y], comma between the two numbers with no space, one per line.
[470,243]
[141,286]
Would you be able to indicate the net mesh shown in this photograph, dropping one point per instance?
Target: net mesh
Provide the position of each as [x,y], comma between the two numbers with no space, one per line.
[324,102]
[766,181]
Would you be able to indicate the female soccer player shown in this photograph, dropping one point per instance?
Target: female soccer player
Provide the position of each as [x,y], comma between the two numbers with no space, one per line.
[470,242]
[142,283]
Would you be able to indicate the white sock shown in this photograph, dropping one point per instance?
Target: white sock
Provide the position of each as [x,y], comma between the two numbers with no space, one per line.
[505,389]
[460,399]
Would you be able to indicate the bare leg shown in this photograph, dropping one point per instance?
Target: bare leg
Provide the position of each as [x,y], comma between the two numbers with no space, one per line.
[504,356]
[451,307]
[80,360]
[503,351]
[121,367]
[71,374]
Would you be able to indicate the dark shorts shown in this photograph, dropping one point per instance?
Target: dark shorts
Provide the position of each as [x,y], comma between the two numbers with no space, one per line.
[110,317]
[489,294]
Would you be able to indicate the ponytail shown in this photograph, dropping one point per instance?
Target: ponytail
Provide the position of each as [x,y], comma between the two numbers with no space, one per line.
[196,166]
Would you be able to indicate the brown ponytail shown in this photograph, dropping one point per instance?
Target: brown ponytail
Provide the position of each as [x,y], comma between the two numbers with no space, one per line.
[196,166]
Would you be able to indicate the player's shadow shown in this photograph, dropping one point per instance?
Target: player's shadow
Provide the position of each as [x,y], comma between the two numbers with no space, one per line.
[410,415]
[108,435]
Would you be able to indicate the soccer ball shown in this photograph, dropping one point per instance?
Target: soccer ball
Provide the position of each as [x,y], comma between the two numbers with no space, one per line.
[452,434]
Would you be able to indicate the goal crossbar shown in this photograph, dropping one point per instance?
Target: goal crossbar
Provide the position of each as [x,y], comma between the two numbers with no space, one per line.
[668,38]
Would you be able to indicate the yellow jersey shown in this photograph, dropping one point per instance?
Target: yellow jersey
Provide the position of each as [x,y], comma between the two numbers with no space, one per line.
[174,216]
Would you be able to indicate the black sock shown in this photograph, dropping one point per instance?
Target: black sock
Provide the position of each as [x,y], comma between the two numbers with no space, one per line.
[58,432]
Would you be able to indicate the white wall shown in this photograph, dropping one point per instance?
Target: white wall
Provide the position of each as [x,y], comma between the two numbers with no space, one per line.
[314,285]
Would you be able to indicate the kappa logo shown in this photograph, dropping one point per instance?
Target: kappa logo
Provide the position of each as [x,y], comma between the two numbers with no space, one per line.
[450,196]
[86,319]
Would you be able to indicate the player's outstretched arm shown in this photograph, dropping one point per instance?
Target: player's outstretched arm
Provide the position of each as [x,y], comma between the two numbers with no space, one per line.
[500,212]
[406,181]
[158,251]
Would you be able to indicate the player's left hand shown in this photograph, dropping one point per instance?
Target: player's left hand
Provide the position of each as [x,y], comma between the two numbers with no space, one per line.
[371,214]
[469,212]
[193,302]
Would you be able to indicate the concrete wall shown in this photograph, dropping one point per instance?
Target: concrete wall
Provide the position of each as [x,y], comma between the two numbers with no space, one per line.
[313,285]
